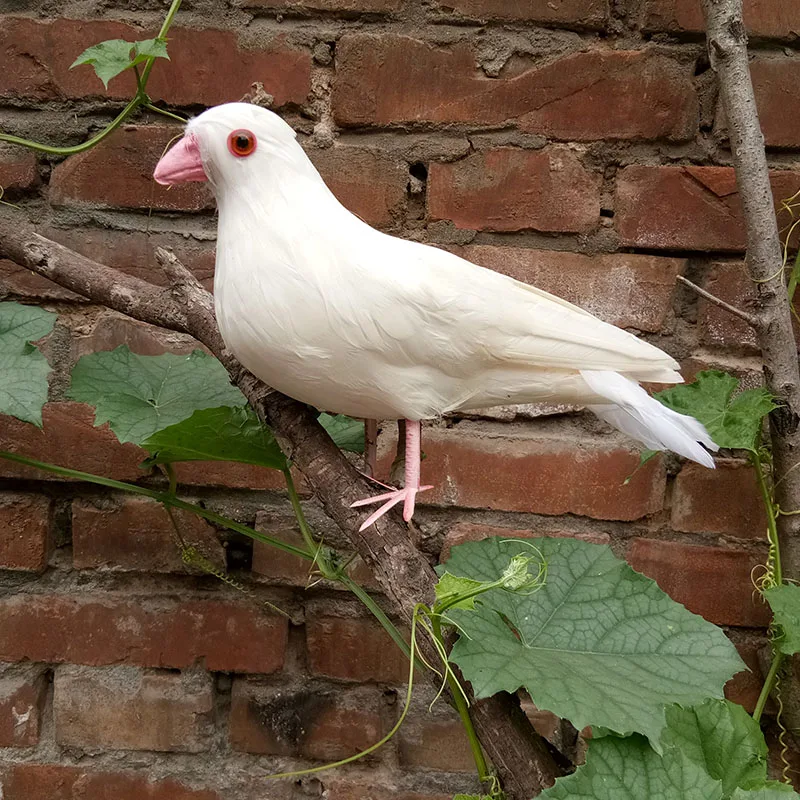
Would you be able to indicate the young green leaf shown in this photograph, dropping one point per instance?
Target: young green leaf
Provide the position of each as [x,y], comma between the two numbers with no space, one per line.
[771,790]
[599,644]
[723,739]
[732,421]
[346,432]
[217,434]
[114,56]
[449,587]
[139,395]
[785,604]
[23,369]
[629,769]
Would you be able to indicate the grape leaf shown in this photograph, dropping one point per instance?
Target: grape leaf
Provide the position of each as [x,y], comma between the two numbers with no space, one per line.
[723,739]
[599,644]
[348,433]
[217,434]
[23,369]
[733,422]
[139,395]
[114,56]
[785,604]
[770,790]
[629,769]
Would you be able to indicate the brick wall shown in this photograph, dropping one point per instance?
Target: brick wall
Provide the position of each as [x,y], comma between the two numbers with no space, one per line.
[575,144]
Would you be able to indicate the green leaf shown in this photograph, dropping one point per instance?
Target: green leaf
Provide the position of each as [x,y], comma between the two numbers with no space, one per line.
[733,422]
[348,433]
[771,790]
[723,739]
[629,769]
[23,369]
[449,586]
[217,434]
[785,604]
[139,395]
[599,644]
[114,56]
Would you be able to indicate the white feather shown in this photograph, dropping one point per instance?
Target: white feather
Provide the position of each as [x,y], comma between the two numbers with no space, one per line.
[348,319]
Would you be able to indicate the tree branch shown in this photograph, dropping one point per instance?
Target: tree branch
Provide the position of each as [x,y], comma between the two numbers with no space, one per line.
[751,320]
[521,757]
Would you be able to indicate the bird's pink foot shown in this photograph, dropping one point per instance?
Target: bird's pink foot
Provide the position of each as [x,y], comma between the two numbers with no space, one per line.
[406,496]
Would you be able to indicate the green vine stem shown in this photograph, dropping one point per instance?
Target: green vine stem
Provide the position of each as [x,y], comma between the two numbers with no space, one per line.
[769,683]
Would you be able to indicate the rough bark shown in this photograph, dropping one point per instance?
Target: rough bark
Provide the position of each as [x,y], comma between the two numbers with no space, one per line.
[727,46]
[522,758]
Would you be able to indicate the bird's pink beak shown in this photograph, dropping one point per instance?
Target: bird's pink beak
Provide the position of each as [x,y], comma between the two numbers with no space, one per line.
[181,163]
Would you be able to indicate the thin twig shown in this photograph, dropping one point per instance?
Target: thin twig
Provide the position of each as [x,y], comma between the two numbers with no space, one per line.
[750,319]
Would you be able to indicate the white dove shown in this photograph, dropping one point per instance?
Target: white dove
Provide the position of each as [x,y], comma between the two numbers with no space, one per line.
[327,310]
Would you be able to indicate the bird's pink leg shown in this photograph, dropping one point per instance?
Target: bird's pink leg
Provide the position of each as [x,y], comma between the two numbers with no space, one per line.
[408,494]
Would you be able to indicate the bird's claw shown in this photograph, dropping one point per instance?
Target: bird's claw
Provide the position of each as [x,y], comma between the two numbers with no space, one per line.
[406,496]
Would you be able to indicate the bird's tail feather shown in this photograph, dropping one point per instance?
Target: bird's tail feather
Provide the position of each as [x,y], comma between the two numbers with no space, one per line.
[634,412]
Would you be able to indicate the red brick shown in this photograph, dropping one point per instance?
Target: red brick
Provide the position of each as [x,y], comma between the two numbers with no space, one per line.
[17,169]
[138,535]
[346,789]
[68,439]
[730,282]
[463,532]
[206,67]
[374,6]
[232,475]
[308,722]
[23,693]
[25,539]
[709,581]
[390,80]
[367,182]
[631,291]
[129,155]
[153,631]
[570,12]
[355,650]
[57,782]
[724,500]
[687,208]
[124,708]
[775,85]
[762,17]
[507,189]
[544,476]
[745,687]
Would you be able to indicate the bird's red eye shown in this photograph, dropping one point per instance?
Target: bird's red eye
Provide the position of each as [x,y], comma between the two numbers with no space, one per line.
[242,143]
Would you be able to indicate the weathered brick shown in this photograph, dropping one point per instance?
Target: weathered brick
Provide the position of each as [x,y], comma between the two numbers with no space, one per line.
[508,189]
[308,721]
[390,80]
[25,539]
[129,155]
[745,687]
[153,631]
[718,328]
[353,649]
[579,13]
[137,535]
[709,581]
[206,66]
[17,169]
[125,708]
[762,17]
[724,500]
[68,439]
[367,182]
[347,789]
[373,6]
[58,782]
[23,693]
[463,532]
[550,476]
[687,208]
[776,87]
[631,291]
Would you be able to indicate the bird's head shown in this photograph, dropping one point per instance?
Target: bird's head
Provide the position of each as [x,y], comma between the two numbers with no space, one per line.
[228,144]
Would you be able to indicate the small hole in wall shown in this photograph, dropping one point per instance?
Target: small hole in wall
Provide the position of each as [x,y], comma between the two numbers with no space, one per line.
[606,212]
[419,171]
[238,553]
[702,65]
